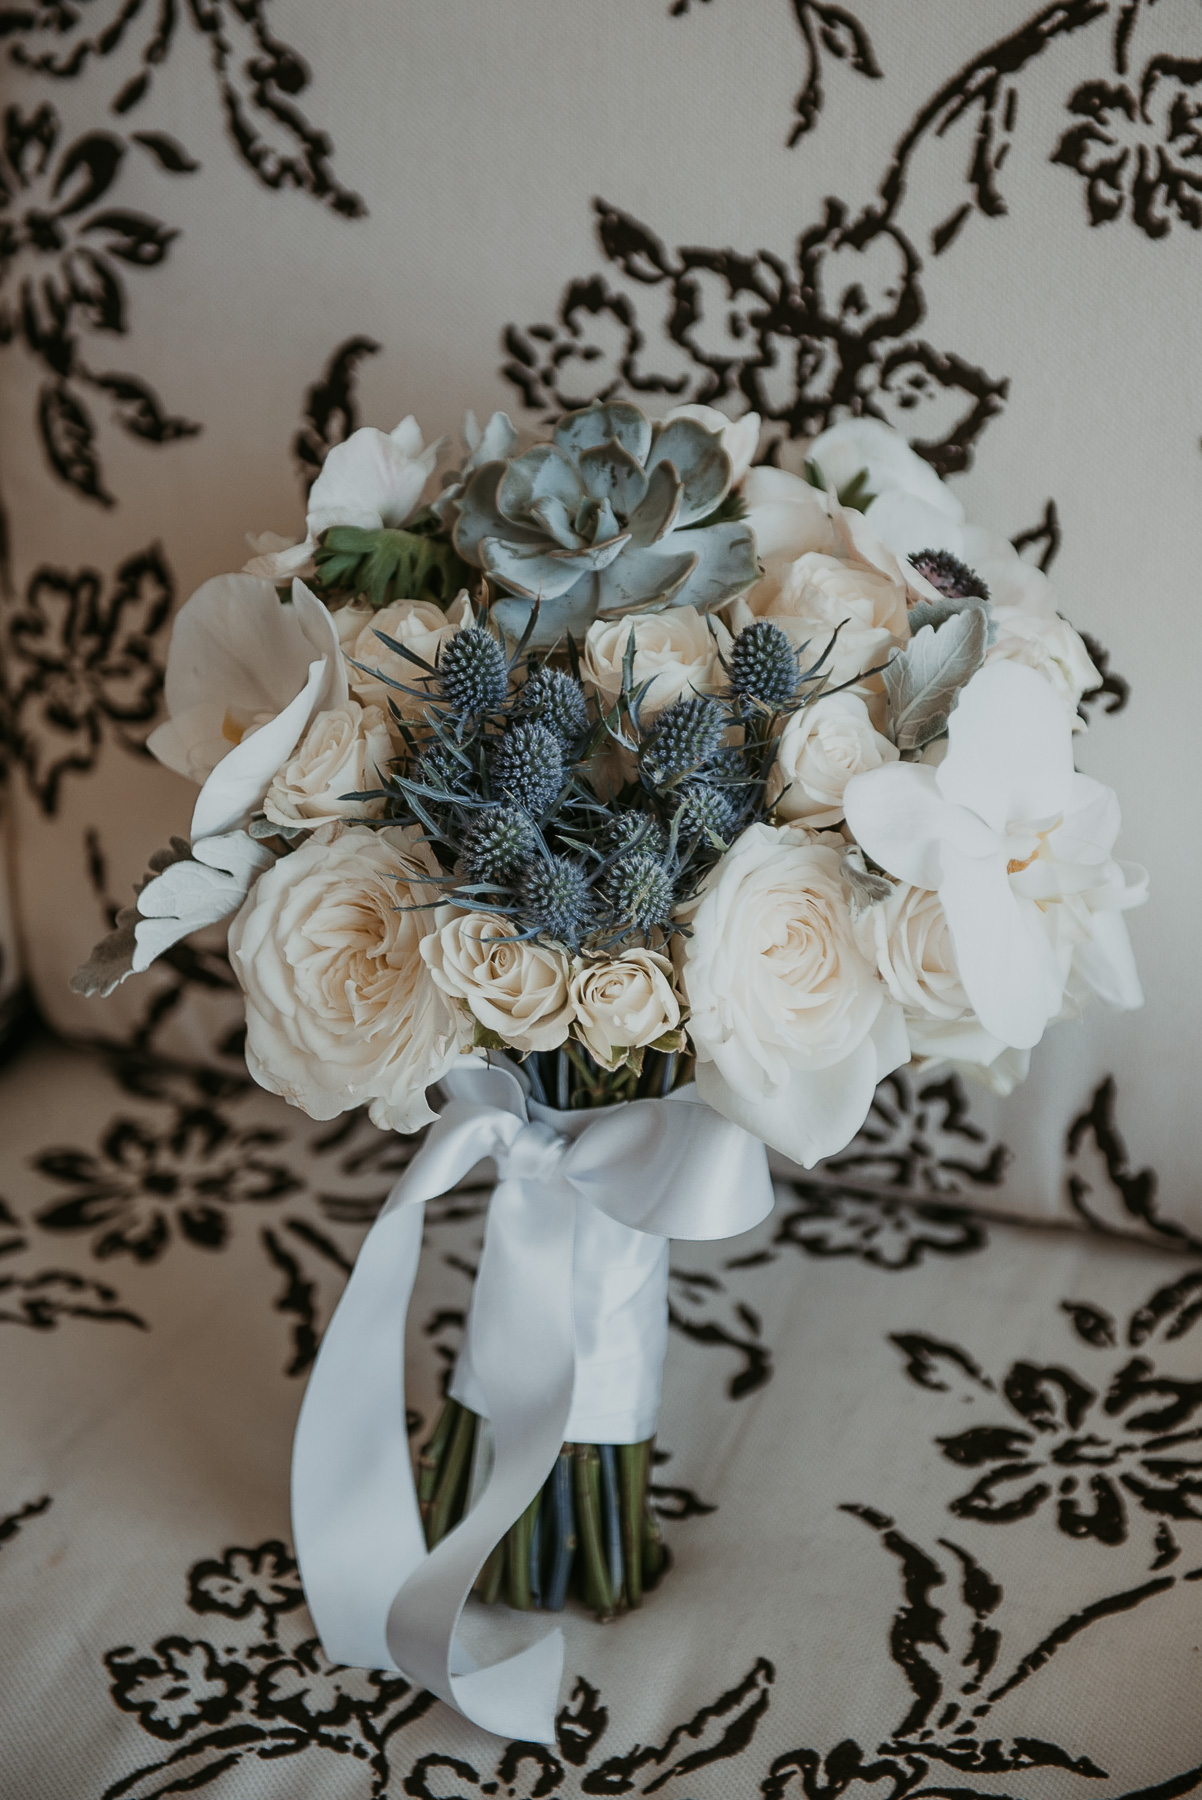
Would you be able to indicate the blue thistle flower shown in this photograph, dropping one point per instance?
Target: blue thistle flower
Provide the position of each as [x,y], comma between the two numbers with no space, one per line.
[498,844]
[686,736]
[639,888]
[634,828]
[557,898]
[704,809]
[764,665]
[526,767]
[473,673]
[556,701]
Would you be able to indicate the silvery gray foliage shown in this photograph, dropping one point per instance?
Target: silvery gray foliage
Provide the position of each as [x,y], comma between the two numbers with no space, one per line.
[922,682]
[864,887]
[610,517]
[112,958]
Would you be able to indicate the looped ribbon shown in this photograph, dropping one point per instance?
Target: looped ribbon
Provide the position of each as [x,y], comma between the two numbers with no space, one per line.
[671,1168]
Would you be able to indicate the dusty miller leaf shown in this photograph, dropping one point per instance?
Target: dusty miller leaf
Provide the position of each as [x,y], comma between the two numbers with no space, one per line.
[112,959]
[922,683]
[865,888]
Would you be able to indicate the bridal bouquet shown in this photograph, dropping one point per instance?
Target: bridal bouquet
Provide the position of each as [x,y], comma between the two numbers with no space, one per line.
[619,810]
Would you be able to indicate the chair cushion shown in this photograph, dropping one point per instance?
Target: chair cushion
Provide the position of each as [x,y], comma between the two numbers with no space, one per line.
[929,1480]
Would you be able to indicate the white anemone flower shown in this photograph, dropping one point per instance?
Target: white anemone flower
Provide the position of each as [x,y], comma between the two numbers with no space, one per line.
[887,460]
[374,479]
[1017,845]
[245,674]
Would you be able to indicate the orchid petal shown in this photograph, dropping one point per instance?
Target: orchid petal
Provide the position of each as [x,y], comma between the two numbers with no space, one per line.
[234,645]
[1010,754]
[241,779]
[897,814]
[1107,962]
[317,623]
[368,481]
[1006,962]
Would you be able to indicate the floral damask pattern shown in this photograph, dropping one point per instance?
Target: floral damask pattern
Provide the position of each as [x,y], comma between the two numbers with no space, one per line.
[1094,1451]
[64,250]
[81,661]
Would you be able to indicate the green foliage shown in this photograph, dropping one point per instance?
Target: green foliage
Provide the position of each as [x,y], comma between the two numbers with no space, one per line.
[391,564]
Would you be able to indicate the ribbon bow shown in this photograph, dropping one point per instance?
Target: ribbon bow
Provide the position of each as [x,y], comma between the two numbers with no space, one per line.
[670,1168]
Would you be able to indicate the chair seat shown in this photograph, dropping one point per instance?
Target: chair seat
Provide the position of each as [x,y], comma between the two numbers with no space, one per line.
[932,1485]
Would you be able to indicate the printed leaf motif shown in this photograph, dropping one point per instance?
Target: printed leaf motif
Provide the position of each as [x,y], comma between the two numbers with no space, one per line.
[923,681]
[69,438]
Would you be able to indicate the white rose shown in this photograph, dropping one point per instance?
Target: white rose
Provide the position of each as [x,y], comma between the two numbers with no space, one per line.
[340,1007]
[740,437]
[674,650]
[513,987]
[1050,646]
[345,751]
[790,1024]
[817,593]
[870,446]
[789,517]
[821,748]
[423,628]
[624,1004]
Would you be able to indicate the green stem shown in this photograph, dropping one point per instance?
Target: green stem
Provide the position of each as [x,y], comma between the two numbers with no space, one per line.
[447,1504]
[517,1557]
[633,1463]
[592,1542]
[432,1453]
[488,1581]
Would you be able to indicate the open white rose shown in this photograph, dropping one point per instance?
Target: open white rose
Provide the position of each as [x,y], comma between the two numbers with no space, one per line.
[374,479]
[674,650]
[817,594]
[245,674]
[624,1004]
[789,517]
[740,437]
[340,1007]
[1052,647]
[423,628]
[345,751]
[518,989]
[890,465]
[821,748]
[791,1025]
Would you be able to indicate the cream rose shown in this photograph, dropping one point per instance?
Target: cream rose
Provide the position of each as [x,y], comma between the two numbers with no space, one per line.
[344,751]
[674,650]
[517,989]
[423,628]
[817,593]
[791,1025]
[1050,646]
[340,1007]
[822,747]
[624,1004]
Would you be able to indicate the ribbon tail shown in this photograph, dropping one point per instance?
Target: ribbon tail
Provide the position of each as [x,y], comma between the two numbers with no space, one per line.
[355,1518]
[523,1346]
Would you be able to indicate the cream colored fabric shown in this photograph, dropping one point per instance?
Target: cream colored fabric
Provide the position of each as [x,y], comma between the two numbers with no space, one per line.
[929,1485]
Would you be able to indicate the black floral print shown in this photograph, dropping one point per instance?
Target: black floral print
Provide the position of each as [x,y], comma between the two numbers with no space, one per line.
[889,1234]
[82,661]
[1138,147]
[1104,1189]
[64,250]
[259,77]
[1090,1452]
[144,1182]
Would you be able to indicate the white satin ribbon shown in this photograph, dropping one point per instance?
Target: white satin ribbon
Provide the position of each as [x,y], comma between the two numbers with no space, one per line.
[670,1168]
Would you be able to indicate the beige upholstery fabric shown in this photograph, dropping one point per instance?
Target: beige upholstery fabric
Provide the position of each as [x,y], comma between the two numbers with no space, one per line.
[954,1461]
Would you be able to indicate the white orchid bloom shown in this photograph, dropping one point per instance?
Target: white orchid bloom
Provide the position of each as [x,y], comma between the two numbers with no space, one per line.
[245,674]
[1009,835]
[374,479]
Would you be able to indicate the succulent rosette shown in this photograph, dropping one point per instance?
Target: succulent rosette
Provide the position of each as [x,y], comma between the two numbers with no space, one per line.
[614,515]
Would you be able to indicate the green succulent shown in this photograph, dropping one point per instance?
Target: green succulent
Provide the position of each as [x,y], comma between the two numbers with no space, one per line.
[614,515]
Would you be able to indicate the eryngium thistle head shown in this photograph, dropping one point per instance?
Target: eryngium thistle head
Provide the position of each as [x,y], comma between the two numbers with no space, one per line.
[949,576]
[704,809]
[472,672]
[634,830]
[439,768]
[764,665]
[527,766]
[557,702]
[498,844]
[557,899]
[687,735]
[639,889]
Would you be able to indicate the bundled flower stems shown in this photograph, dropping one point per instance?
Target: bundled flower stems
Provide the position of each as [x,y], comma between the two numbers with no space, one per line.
[620,784]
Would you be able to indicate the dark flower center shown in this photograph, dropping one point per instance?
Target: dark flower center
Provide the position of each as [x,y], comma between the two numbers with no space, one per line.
[949,576]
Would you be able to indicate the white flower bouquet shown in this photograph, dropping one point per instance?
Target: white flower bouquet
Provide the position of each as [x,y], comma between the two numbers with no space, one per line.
[619,812]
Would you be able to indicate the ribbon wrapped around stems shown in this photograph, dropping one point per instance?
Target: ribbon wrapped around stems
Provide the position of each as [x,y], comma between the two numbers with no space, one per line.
[666,1168]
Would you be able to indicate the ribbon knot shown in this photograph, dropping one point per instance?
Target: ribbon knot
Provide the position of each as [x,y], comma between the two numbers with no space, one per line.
[659,1169]
[535,1154]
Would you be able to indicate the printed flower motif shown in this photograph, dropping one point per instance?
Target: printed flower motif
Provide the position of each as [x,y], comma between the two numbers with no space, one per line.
[80,661]
[888,1234]
[1140,149]
[182,1685]
[244,1582]
[308,1689]
[140,1184]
